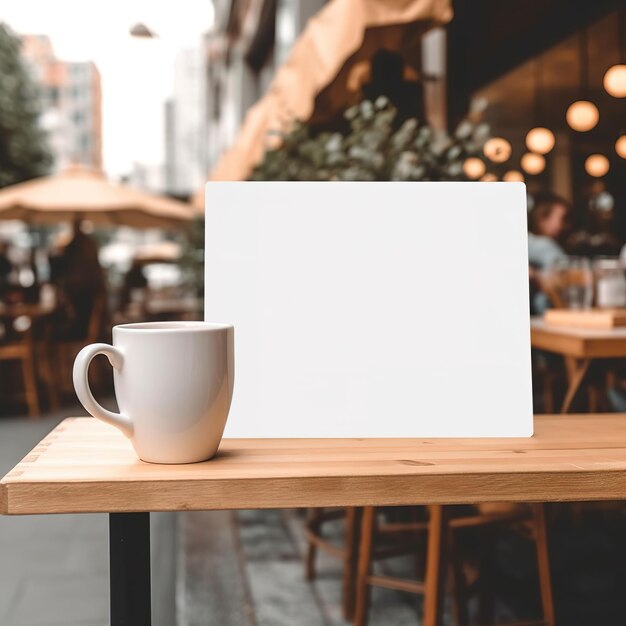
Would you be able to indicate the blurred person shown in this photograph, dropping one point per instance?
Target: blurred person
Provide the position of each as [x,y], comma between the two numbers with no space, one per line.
[386,75]
[134,279]
[80,279]
[6,267]
[548,221]
[388,79]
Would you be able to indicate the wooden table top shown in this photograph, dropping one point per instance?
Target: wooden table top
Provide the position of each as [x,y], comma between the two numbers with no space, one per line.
[578,342]
[87,466]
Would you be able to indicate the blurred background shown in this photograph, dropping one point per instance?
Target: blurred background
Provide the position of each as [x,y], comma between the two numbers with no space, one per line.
[112,118]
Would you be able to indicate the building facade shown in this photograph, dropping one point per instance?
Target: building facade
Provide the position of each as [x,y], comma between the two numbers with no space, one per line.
[185,125]
[71,103]
[248,42]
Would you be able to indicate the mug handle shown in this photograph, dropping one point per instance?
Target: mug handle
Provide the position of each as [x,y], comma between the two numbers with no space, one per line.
[81,385]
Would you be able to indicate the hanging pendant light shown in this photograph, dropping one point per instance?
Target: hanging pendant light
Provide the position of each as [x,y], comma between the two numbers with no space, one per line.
[497,149]
[539,139]
[615,81]
[583,115]
[533,163]
[620,146]
[615,78]
[597,165]
[474,167]
[513,176]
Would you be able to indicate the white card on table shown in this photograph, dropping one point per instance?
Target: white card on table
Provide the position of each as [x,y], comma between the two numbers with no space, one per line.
[373,309]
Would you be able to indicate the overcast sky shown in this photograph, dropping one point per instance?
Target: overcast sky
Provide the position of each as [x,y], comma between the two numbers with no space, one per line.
[137,74]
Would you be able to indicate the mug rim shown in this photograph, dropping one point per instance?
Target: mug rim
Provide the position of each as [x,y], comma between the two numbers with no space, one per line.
[173,326]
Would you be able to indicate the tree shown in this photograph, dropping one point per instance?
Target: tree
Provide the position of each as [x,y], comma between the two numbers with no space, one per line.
[24,151]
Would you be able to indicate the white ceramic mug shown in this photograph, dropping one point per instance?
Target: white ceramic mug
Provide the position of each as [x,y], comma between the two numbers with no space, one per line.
[173,384]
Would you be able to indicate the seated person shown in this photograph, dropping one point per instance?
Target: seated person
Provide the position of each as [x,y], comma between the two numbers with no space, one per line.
[134,279]
[6,267]
[80,279]
[548,220]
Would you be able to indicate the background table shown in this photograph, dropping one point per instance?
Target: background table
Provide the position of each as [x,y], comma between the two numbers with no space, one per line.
[86,466]
[579,346]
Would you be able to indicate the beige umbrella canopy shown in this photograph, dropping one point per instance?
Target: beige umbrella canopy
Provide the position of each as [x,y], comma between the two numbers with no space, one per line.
[81,192]
[329,40]
[197,202]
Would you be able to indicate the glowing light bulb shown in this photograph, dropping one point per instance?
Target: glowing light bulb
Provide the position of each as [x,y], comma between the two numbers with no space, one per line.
[597,165]
[615,81]
[474,167]
[620,146]
[582,115]
[533,163]
[540,140]
[513,176]
[489,177]
[497,149]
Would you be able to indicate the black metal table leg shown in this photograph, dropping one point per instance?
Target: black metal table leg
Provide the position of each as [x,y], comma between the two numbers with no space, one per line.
[129,566]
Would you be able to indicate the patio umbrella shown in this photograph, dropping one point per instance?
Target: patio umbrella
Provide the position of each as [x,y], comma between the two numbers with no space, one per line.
[197,202]
[328,42]
[85,193]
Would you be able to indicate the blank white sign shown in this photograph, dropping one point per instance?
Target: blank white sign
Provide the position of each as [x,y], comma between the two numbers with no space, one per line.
[373,309]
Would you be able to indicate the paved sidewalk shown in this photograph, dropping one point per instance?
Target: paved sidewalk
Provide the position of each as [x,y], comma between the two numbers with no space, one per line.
[54,568]
[246,568]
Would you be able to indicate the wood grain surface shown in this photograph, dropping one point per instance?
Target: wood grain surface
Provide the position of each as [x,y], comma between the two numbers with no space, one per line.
[578,342]
[600,319]
[86,466]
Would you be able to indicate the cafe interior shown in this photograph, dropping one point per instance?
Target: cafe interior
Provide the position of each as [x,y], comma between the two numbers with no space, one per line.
[532,92]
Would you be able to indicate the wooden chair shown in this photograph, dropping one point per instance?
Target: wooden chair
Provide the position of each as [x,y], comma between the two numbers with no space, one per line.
[346,547]
[67,350]
[20,346]
[347,551]
[441,530]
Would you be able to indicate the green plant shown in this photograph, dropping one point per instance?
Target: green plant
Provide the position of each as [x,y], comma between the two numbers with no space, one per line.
[373,149]
[24,152]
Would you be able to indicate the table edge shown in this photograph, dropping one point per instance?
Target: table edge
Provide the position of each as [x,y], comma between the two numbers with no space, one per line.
[285,492]
[36,497]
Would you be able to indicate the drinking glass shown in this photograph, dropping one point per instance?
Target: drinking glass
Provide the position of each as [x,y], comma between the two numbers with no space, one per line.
[575,282]
[610,282]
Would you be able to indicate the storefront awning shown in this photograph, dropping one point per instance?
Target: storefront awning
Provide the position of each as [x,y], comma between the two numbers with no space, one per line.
[330,38]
